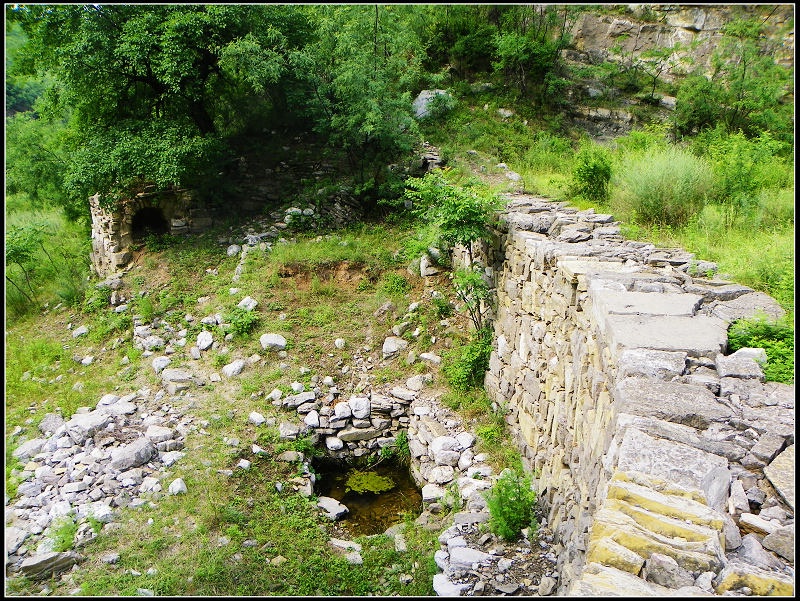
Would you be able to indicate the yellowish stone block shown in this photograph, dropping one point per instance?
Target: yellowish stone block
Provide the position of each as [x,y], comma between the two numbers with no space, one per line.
[608,552]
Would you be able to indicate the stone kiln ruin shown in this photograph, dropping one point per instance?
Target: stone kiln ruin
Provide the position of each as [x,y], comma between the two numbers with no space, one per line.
[115,230]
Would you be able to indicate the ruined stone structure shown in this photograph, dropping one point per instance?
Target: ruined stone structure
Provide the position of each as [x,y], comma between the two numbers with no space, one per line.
[114,230]
[642,433]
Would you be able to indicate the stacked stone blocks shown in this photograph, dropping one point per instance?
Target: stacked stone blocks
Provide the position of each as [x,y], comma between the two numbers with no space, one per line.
[610,361]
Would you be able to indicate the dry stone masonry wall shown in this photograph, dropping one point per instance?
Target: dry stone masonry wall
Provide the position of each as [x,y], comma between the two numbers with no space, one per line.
[664,463]
[112,229]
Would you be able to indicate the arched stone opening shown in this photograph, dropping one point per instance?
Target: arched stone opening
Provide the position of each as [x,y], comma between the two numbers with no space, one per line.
[115,229]
[148,220]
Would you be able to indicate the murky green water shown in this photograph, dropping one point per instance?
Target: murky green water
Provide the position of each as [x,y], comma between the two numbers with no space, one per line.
[370,513]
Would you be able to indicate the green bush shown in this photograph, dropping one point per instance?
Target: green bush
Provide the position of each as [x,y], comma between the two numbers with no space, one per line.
[592,173]
[465,366]
[96,299]
[442,307]
[512,505]
[144,307]
[777,339]
[666,187]
[110,323]
[395,284]
[242,321]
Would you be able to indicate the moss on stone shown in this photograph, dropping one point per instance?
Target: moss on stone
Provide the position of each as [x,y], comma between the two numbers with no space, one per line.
[367,481]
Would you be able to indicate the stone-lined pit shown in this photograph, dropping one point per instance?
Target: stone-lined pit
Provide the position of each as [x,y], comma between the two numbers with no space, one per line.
[368,512]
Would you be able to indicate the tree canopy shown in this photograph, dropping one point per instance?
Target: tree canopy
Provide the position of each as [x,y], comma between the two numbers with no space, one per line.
[112,98]
[149,91]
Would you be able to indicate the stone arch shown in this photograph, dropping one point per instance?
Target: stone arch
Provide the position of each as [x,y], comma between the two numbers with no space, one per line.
[115,229]
[148,220]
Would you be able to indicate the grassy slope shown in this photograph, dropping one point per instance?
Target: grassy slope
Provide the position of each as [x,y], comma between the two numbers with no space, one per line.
[758,250]
[321,299]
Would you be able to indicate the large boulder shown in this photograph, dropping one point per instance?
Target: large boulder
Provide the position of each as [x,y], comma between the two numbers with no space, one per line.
[422,104]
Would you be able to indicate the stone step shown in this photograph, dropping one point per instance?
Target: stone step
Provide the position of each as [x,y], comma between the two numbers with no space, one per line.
[700,555]
[665,504]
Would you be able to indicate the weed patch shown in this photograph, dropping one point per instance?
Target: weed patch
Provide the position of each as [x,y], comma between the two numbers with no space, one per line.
[512,505]
[777,339]
[464,367]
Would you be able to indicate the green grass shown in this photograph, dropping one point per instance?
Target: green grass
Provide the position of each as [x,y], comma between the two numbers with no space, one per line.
[777,339]
[53,253]
[754,247]
[182,544]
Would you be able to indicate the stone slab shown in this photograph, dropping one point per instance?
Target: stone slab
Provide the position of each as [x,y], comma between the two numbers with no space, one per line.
[699,336]
[748,306]
[781,473]
[761,582]
[686,404]
[676,463]
[645,303]
[602,581]
[703,554]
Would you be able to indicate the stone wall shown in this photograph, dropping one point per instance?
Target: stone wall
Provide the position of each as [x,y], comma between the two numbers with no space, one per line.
[112,233]
[610,359]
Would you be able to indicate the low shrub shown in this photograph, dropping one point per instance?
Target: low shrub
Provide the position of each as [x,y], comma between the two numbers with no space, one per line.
[96,299]
[464,366]
[512,505]
[442,307]
[592,173]
[63,534]
[402,453]
[776,338]
[242,321]
[394,284]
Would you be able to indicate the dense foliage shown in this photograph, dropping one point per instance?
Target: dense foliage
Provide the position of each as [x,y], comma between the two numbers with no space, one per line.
[746,91]
[512,505]
[777,340]
[143,95]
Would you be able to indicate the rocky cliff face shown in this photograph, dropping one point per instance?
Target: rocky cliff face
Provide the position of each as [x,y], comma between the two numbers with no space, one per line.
[645,27]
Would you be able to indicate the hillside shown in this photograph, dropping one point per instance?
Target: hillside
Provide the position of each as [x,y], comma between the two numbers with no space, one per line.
[163,418]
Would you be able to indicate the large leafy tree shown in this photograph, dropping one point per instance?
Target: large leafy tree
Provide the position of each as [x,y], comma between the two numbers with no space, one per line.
[359,73]
[149,89]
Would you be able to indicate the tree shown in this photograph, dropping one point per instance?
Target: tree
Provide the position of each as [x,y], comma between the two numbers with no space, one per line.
[460,214]
[359,71]
[746,90]
[21,92]
[656,61]
[529,46]
[35,159]
[147,88]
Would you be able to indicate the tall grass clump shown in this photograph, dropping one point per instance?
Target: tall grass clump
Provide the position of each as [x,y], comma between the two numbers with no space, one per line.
[746,173]
[666,187]
[46,260]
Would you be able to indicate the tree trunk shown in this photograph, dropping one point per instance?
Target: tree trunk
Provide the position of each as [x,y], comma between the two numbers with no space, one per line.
[201,118]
